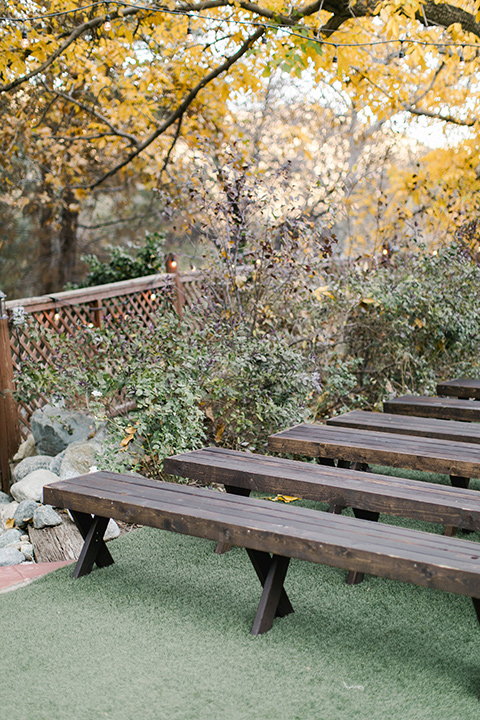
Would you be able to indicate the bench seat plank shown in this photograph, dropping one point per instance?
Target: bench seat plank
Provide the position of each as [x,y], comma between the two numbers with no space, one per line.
[460,388]
[346,488]
[412,556]
[403,451]
[426,406]
[409,425]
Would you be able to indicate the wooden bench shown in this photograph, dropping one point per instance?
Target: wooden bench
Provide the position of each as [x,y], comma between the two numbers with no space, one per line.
[434,407]
[466,388]
[368,493]
[460,461]
[409,425]
[272,534]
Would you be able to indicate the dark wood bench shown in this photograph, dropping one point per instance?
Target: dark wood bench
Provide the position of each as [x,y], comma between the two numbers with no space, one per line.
[460,461]
[409,425]
[434,407]
[466,388]
[272,534]
[368,493]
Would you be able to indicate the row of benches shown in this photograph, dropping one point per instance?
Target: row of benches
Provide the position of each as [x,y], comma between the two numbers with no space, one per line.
[272,534]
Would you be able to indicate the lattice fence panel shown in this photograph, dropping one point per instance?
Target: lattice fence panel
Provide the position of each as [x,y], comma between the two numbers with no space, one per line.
[70,316]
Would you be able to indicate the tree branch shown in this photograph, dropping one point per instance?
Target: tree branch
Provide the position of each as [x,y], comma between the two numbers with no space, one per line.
[115,131]
[176,114]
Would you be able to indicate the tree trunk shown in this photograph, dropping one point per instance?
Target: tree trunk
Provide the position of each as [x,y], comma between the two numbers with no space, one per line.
[57,243]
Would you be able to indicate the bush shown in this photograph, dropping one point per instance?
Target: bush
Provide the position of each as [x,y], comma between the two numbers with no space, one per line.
[399,327]
[188,387]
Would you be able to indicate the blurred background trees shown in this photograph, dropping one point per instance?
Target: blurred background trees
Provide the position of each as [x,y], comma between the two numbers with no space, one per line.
[361,120]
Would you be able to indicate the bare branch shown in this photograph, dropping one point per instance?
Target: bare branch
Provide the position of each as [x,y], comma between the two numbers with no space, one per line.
[186,102]
[115,131]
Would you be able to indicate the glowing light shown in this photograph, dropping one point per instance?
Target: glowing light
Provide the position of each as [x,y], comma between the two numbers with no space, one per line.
[153,296]
[385,251]
[173,264]
[108,23]
[24,42]
[56,317]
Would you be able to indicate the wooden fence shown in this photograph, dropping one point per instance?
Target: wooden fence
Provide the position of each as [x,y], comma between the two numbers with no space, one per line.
[68,312]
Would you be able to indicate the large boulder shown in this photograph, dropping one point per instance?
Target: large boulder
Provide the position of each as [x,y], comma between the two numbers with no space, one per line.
[28,465]
[54,428]
[78,459]
[26,449]
[31,487]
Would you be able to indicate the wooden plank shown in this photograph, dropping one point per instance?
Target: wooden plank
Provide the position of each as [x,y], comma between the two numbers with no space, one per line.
[466,388]
[423,558]
[348,488]
[443,408]
[409,425]
[403,451]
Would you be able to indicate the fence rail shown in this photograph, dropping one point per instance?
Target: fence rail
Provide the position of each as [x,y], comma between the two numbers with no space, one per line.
[68,312]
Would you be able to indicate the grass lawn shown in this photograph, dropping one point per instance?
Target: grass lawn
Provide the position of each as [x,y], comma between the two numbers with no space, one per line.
[164,633]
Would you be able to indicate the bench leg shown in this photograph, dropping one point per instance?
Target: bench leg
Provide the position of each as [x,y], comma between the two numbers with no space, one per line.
[223,547]
[459,481]
[354,577]
[261,562]
[272,592]
[94,549]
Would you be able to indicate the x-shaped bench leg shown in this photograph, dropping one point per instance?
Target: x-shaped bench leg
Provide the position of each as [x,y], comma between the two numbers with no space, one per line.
[94,549]
[274,601]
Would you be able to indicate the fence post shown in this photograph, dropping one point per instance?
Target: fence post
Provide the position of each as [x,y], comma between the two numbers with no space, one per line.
[9,427]
[171,265]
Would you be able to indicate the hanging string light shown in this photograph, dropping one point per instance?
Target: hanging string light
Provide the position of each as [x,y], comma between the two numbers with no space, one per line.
[401,53]
[107,25]
[335,57]
[189,28]
[24,42]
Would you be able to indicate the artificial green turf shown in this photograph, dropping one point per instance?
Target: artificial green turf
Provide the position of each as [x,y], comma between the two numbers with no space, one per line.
[164,633]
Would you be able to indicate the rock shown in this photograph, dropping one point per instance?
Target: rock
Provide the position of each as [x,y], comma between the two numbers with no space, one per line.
[112,531]
[27,549]
[24,513]
[10,537]
[31,487]
[56,463]
[78,459]
[25,467]
[7,512]
[26,449]
[11,556]
[54,428]
[4,498]
[45,516]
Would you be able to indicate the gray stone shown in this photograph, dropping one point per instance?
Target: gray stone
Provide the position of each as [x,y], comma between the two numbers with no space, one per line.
[11,556]
[27,549]
[45,516]
[26,449]
[56,463]
[54,428]
[78,459]
[6,513]
[31,487]
[112,531]
[10,537]
[24,513]
[25,467]
[4,498]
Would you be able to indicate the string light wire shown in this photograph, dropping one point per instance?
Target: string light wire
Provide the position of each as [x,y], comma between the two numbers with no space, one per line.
[267,26]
